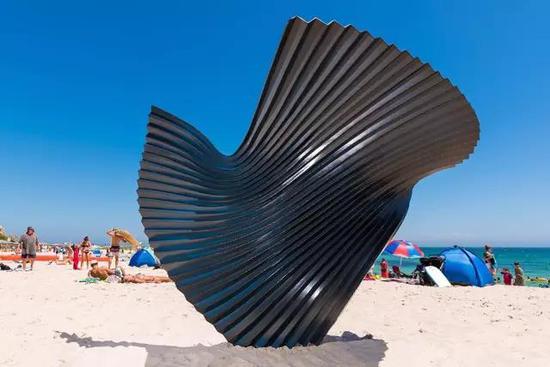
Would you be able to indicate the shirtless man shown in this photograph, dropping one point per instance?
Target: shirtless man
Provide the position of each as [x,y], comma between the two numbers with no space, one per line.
[103,273]
[119,236]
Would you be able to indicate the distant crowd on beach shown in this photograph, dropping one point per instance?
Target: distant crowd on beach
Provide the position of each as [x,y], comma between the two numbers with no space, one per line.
[517,278]
[79,254]
[75,254]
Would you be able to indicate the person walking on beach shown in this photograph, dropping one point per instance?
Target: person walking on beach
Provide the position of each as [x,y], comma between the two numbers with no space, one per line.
[85,247]
[518,279]
[28,243]
[76,253]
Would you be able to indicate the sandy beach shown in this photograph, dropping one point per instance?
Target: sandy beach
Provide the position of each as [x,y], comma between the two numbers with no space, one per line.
[50,319]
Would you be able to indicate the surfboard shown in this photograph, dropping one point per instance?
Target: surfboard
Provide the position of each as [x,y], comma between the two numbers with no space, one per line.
[437,276]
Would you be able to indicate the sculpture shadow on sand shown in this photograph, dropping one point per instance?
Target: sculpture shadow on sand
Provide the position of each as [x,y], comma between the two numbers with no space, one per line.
[347,349]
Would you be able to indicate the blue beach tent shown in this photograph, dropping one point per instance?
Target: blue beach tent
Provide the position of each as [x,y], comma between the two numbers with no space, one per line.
[144,256]
[464,268]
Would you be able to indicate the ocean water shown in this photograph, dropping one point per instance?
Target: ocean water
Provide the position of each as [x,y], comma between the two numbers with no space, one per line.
[535,261]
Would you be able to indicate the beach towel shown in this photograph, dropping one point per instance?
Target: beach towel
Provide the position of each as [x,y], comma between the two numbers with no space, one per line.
[89,280]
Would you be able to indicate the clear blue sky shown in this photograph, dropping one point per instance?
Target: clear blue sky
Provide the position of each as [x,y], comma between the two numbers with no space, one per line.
[77,80]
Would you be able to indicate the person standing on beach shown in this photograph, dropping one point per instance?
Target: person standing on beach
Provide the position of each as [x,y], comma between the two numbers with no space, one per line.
[28,243]
[518,279]
[490,260]
[76,252]
[384,270]
[114,251]
[85,247]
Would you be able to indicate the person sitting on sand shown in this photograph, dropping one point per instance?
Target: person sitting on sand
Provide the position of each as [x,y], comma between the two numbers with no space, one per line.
[518,279]
[370,274]
[506,276]
[118,275]
[69,254]
[397,273]
[61,259]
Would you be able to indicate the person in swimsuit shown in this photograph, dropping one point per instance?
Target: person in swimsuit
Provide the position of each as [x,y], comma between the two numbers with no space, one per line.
[114,251]
[490,260]
[118,275]
[85,248]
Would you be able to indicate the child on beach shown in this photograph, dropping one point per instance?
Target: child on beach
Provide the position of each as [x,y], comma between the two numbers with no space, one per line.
[506,276]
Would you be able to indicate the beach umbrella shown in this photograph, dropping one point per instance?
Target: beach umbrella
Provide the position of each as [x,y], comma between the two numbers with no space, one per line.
[403,249]
[117,235]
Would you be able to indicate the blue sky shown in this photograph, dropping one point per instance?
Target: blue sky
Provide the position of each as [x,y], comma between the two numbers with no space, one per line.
[77,80]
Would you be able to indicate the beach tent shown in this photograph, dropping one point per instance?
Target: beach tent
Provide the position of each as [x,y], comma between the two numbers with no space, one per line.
[464,268]
[144,256]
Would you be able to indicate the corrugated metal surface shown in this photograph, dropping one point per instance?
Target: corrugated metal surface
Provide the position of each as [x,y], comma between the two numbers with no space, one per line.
[271,242]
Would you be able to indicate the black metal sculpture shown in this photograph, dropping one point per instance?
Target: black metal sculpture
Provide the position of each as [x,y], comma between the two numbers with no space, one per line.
[271,242]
